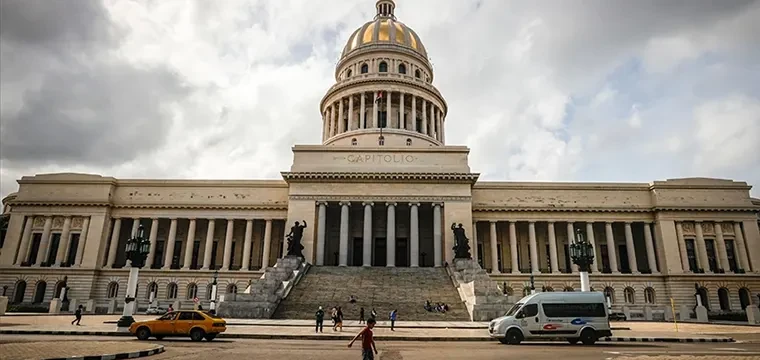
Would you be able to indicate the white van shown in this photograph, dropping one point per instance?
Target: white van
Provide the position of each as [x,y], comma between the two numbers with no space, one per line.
[572,315]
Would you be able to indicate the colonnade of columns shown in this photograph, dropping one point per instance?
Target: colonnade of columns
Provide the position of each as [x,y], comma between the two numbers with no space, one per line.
[350,113]
[368,236]
[571,227]
[694,250]
[63,252]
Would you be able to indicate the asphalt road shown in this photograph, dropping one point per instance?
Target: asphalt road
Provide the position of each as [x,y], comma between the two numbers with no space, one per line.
[402,350]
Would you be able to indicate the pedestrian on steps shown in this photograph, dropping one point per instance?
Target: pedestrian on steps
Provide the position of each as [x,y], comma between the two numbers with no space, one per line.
[361,315]
[320,319]
[393,315]
[77,316]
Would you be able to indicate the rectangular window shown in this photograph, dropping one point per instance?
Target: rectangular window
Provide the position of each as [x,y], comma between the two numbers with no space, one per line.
[567,259]
[731,255]
[419,125]
[196,251]
[711,258]
[605,259]
[213,254]
[691,254]
[232,253]
[548,259]
[35,248]
[574,310]
[500,266]
[158,259]
[480,254]
[73,245]
[625,267]
[177,255]
[55,241]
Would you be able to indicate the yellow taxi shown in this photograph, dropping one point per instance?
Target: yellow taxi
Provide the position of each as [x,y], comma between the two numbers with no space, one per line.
[198,325]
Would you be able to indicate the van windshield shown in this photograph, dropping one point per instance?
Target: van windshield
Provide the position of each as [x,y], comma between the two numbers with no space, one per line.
[514,309]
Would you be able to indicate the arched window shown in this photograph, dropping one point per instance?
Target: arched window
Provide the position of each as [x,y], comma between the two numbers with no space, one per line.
[417,74]
[381,140]
[703,296]
[402,69]
[171,291]
[354,142]
[568,289]
[152,289]
[349,73]
[725,304]
[39,292]
[408,142]
[629,295]
[58,288]
[365,68]
[649,295]
[113,290]
[192,291]
[383,67]
[744,298]
[609,293]
[19,291]
[209,288]
[231,289]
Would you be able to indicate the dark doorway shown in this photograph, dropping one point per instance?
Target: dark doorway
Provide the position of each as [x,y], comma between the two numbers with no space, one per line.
[568,269]
[19,292]
[381,252]
[55,240]
[702,292]
[480,254]
[356,255]
[35,249]
[73,245]
[402,246]
[625,266]
[39,292]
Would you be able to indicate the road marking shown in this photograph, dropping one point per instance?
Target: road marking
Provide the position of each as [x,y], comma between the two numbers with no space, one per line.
[730,349]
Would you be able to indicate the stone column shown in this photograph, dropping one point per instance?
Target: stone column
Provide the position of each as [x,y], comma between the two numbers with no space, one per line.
[335,120]
[350,113]
[611,250]
[513,247]
[682,247]
[362,116]
[553,248]
[424,117]
[374,111]
[533,247]
[701,248]
[267,244]
[246,265]
[228,243]
[321,231]
[26,237]
[401,117]
[63,245]
[388,116]
[592,241]
[721,245]
[82,241]
[343,251]
[494,248]
[570,237]
[391,235]
[650,248]
[170,245]
[414,113]
[741,249]
[475,241]
[209,245]
[443,126]
[437,234]
[341,111]
[44,242]
[414,225]
[189,245]
[114,243]
[325,126]
[630,248]
[367,236]
[152,238]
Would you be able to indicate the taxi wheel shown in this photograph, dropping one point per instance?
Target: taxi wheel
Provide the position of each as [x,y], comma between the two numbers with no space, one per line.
[197,335]
[143,333]
[514,337]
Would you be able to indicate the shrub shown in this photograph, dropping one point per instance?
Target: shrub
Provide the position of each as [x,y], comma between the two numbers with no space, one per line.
[28,308]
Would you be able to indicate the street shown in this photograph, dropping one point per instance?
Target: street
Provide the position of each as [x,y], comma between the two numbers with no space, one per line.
[746,348]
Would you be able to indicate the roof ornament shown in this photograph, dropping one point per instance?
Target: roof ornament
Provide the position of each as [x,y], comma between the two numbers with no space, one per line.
[385,9]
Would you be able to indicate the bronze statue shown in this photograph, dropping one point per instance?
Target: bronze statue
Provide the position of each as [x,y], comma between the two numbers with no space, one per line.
[294,240]
[461,242]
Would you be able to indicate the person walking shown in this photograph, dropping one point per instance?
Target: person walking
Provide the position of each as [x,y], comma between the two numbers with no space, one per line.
[320,320]
[369,349]
[77,316]
[361,315]
[339,316]
[334,316]
[393,315]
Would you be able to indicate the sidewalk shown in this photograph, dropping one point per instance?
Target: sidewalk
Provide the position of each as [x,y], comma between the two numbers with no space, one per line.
[77,349]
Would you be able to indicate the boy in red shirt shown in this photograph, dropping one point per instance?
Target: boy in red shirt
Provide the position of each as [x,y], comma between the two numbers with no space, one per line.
[368,342]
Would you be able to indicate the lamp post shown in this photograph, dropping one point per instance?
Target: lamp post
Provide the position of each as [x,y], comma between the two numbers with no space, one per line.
[532,284]
[212,306]
[582,254]
[136,251]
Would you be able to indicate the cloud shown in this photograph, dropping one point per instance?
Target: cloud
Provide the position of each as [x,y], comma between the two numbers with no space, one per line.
[606,91]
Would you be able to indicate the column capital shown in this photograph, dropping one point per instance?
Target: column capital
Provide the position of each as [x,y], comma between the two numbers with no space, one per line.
[229,219]
[609,222]
[391,204]
[370,203]
[191,218]
[550,222]
[154,218]
[345,203]
[414,204]
[173,218]
[531,222]
[321,202]
[698,221]
[439,204]
[248,219]
[628,223]
[112,217]
[493,221]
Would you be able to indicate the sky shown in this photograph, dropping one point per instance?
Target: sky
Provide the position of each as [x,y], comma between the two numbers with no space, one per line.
[576,90]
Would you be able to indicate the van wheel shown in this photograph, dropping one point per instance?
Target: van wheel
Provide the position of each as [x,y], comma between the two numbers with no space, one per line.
[197,335]
[143,333]
[572,341]
[588,337]
[514,337]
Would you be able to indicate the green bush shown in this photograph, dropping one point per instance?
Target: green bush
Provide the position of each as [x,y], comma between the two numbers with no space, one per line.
[28,308]
[740,316]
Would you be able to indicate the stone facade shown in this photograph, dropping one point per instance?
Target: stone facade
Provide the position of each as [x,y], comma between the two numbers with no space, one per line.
[383,173]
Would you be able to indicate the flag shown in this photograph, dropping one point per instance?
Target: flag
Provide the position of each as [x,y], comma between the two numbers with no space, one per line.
[379,97]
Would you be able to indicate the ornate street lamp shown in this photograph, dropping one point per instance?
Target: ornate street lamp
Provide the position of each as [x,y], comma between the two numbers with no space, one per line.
[532,284]
[582,254]
[136,251]
[212,306]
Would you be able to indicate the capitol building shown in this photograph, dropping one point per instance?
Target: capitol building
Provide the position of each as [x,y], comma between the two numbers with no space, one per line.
[382,190]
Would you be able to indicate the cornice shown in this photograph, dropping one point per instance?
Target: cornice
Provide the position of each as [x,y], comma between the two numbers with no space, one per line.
[59,203]
[203,206]
[476,208]
[380,199]
[381,176]
[502,185]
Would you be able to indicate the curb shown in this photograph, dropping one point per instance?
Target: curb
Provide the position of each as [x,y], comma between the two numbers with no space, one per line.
[125,355]
[378,337]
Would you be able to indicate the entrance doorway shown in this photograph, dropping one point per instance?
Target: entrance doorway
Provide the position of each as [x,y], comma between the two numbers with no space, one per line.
[402,257]
[380,252]
[356,255]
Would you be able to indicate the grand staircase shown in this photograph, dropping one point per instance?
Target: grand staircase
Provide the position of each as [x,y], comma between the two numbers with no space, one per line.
[383,289]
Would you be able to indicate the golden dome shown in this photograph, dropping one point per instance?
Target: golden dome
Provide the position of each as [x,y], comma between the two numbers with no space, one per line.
[384,30]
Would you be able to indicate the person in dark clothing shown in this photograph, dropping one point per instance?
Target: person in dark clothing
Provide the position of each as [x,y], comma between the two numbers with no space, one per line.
[361,315]
[78,316]
[320,319]
[393,316]
[339,320]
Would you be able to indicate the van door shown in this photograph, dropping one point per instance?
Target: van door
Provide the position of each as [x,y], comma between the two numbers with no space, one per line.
[531,322]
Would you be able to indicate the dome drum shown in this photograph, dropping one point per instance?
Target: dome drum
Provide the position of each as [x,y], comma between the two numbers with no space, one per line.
[392,138]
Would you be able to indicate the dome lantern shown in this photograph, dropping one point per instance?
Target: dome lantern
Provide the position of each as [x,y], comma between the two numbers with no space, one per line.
[385,8]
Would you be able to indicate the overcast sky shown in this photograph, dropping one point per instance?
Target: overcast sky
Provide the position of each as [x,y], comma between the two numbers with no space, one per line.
[539,90]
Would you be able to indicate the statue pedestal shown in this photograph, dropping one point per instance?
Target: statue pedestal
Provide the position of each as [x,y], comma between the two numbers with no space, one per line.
[55,306]
[684,314]
[753,314]
[4,305]
[701,314]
